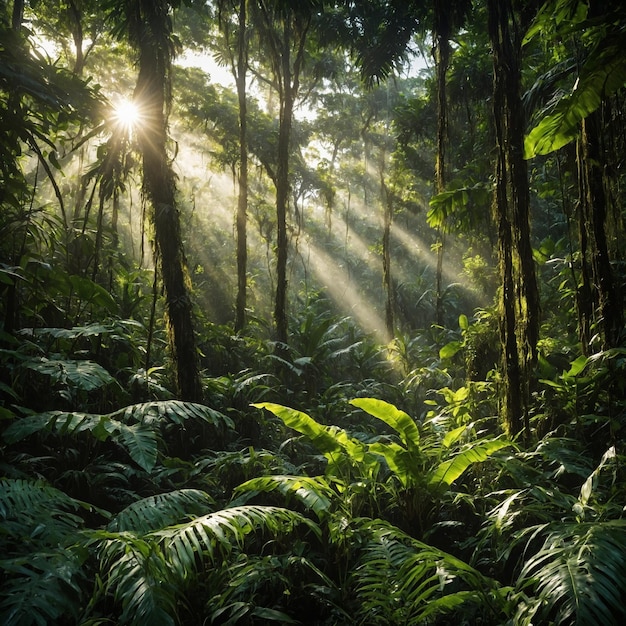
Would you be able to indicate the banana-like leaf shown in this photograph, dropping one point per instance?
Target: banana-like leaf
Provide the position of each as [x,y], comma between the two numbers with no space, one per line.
[315,493]
[448,471]
[319,435]
[602,75]
[404,464]
[397,419]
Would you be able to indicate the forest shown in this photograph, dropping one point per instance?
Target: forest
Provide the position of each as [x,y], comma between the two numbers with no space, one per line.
[312,312]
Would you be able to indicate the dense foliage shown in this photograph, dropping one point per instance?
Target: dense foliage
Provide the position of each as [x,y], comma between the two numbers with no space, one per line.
[303,338]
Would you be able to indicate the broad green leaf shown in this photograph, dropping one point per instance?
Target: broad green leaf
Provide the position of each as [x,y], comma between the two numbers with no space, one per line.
[450,349]
[397,419]
[320,436]
[577,367]
[401,462]
[141,443]
[448,471]
[85,375]
[602,75]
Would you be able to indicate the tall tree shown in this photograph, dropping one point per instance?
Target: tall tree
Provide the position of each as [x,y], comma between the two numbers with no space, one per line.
[148,25]
[283,30]
[238,53]
[518,296]
[596,65]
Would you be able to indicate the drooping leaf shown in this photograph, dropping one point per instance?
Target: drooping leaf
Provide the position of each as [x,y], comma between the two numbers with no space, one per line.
[601,76]
[314,492]
[161,510]
[397,419]
[175,411]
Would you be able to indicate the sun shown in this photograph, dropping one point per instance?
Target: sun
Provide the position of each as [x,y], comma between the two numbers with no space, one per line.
[127,115]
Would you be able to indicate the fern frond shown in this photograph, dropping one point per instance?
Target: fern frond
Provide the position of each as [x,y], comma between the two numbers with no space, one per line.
[139,440]
[137,575]
[402,580]
[40,588]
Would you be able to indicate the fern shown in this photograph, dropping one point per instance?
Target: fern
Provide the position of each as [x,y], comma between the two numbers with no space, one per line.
[174,411]
[140,441]
[41,588]
[42,568]
[84,375]
[38,511]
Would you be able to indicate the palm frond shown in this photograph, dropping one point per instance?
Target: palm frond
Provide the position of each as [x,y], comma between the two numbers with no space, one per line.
[37,511]
[578,575]
[137,575]
[165,509]
[174,411]
[222,531]
[40,588]
[402,580]
[146,572]
[139,440]
[314,492]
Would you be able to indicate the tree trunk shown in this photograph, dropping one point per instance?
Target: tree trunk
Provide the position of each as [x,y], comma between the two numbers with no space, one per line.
[598,283]
[282,196]
[387,277]
[152,94]
[441,51]
[242,202]
[519,296]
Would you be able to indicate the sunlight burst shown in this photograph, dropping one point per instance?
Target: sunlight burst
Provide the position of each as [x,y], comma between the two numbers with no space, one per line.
[127,115]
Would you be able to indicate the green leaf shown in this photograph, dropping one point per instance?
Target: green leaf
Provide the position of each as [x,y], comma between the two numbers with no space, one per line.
[142,444]
[313,492]
[85,375]
[397,419]
[602,75]
[463,322]
[161,510]
[448,471]
[450,349]
[325,440]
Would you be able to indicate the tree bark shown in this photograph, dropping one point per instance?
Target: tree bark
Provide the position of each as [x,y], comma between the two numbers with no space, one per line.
[518,296]
[242,202]
[152,95]
[441,52]
[598,284]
